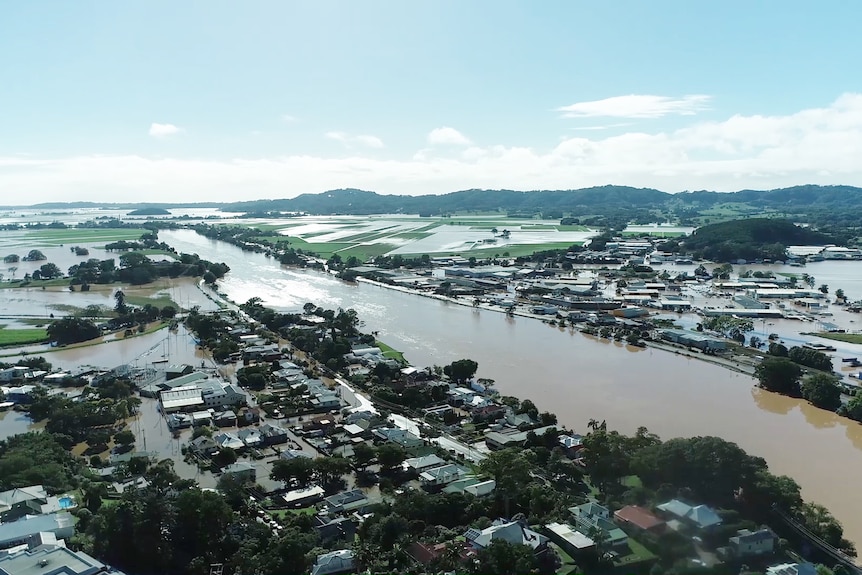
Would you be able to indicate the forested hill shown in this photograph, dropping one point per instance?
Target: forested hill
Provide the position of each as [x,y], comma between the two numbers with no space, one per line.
[582,201]
[351,201]
[751,239]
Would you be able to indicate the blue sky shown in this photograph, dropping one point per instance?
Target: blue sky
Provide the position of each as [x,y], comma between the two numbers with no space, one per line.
[169,101]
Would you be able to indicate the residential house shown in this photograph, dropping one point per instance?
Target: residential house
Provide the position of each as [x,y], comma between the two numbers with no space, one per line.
[53,559]
[591,515]
[572,445]
[420,464]
[639,518]
[225,418]
[748,543]
[346,501]
[250,437]
[293,454]
[442,475]
[472,485]
[19,532]
[398,436]
[21,394]
[334,562]
[22,501]
[699,516]
[512,532]
[272,434]
[491,412]
[226,440]
[203,444]
[570,540]
[303,497]
[178,420]
[334,528]
[242,471]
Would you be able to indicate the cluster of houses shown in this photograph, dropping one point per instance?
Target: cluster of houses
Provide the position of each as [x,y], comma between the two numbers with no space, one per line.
[34,527]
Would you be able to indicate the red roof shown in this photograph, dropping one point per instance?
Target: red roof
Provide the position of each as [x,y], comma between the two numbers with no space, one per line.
[638,516]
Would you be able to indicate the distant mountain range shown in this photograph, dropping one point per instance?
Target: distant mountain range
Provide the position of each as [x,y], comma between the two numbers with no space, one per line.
[807,198]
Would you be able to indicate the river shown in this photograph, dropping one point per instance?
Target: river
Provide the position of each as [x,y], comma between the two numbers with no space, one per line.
[579,377]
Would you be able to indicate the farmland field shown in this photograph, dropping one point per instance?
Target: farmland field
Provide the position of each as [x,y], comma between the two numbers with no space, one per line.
[22,336]
[370,236]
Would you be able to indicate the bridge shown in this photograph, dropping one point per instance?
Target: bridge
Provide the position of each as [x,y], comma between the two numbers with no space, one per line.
[835,554]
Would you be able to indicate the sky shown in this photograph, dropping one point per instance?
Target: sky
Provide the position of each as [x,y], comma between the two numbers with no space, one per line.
[165,101]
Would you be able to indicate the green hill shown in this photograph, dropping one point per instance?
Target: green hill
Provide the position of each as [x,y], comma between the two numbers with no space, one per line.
[751,239]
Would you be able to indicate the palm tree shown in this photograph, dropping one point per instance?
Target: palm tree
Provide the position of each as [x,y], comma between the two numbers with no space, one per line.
[593,424]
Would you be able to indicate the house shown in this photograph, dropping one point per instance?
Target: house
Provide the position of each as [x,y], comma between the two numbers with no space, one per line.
[693,339]
[15,533]
[591,515]
[699,516]
[53,559]
[513,532]
[203,444]
[398,436]
[303,497]
[571,444]
[178,421]
[225,418]
[250,437]
[490,412]
[748,543]
[639,518]
[442,475]
[472,485]
[23,501]
[572,542]
[420,464]
[242,471]
[293,454]
[334,529]
[347,501]
[227,440]
[792,569]
[272,434]
[333,562]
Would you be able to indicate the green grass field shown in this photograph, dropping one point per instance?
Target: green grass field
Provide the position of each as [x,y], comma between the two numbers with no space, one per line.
[843,337]
[161,301]
[82,235]
[24,336]
[390,352]
[19,283]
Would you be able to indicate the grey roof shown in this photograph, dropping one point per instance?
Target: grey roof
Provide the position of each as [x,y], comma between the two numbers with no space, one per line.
[745,536]
[333,562]
[675,507]
[60,561]
[21,495]
[511,532]
[23,528]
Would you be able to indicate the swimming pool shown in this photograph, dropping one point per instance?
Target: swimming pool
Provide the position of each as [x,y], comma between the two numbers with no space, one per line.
[66,502]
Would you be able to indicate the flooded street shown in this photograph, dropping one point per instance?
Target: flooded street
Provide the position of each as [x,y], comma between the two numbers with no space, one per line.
[579,378]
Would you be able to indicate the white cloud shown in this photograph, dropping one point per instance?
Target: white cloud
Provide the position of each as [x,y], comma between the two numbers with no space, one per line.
[163,130]
[349,140]
[818,145]
[637,106]
[446,136]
